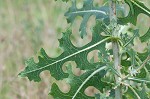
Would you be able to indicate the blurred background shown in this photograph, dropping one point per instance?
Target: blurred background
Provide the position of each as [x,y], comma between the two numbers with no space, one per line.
[25,27]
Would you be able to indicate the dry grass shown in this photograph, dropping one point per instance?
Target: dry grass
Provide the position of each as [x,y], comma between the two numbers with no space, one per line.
[25,27]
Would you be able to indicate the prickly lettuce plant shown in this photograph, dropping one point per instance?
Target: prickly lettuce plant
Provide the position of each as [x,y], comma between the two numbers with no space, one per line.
[120,73]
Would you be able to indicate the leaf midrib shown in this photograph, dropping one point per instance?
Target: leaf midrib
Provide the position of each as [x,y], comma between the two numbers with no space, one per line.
[89,11]
[140,7]
[86,80]
[70,55]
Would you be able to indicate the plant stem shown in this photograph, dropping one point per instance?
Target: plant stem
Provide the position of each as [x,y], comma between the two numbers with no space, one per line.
[118,92]
[138,97]
[145,61]
[113,24]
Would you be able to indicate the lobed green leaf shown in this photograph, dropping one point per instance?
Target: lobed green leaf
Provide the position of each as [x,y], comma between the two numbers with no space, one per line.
[71,53]
[136,8]
[76,82]
[86,12]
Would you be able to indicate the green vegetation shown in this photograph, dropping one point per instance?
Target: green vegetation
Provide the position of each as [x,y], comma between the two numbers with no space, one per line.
[26,26]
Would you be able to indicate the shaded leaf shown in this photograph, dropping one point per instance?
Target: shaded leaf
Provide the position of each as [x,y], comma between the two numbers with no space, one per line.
[131,95]
[146,36]
[142,74]
[76,81]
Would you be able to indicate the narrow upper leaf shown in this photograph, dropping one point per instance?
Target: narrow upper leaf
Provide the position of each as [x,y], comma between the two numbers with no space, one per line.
[127,39]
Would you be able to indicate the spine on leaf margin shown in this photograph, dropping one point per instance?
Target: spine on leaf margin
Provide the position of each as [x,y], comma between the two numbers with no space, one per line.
[113,24]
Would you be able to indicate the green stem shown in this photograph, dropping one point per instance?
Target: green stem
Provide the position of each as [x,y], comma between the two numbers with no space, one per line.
[139,80]
[113,24]
[145,61]
[138,97]
[118,92]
